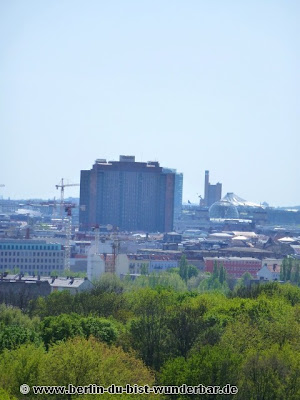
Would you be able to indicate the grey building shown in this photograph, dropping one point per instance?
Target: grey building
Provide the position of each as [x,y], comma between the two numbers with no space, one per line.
[31,256]
[18,289]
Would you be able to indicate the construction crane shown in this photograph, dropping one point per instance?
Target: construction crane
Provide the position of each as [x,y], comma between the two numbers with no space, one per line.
[62,185]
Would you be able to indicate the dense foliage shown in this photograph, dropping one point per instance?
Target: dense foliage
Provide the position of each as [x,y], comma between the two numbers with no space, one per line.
[155,331]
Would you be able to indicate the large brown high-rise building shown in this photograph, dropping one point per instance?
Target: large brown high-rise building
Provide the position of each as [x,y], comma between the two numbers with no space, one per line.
[133,196]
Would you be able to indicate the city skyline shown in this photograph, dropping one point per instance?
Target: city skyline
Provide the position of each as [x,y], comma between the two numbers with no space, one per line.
[196,86]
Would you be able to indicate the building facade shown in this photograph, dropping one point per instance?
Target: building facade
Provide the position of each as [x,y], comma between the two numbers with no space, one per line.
[129,195]
[18,289]
[234,266]
[31,256]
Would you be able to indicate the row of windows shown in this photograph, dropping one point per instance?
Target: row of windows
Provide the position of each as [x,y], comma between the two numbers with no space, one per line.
[243,269]
[163,265]
[34,268]
[242,263]
[27,247]
[29,260]
[31,253]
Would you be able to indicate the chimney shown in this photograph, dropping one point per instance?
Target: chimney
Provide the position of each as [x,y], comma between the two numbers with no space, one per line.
[206,185]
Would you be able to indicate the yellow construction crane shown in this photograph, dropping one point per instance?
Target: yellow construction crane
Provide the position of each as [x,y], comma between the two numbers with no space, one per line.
[62,185]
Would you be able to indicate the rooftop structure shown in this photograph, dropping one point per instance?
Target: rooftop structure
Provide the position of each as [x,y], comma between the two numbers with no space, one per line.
[223,209]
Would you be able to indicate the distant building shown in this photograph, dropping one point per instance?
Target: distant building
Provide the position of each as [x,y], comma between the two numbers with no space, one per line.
[223,210]
[133,196]
[162,264]
[178,190]
[234,266]
[98,264]
[73,285]
[151,262]
[18,289]
[269,273]
[172,237]
[212,193]
[31,256]
[270,269]
[278,216]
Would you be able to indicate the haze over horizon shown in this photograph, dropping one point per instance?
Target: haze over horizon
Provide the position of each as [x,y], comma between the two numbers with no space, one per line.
[195,85]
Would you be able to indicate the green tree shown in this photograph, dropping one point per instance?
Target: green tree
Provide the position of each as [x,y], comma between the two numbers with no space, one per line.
[61,327]
[108,283]
[83,362]
[4,395]
[100,328]
[65,326]
[185,322]
[215,273]
[148,330]
[10,315]
[283,270]
[289,268]
[210,366]
[13,336]
[246,278]
[222,274]
[20,366]
[295,275]
[144,269]
[77,361]
[271,374]
[162,280]
[183,268]
[186,271]
[55,304]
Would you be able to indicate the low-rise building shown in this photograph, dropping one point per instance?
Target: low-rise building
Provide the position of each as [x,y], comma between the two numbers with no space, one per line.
[234,266]
[19,289]
[98,264]
[161,264]
[148,263]
[270,270]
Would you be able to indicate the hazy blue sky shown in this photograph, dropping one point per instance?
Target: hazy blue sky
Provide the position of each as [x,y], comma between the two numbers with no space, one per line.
[194,85]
